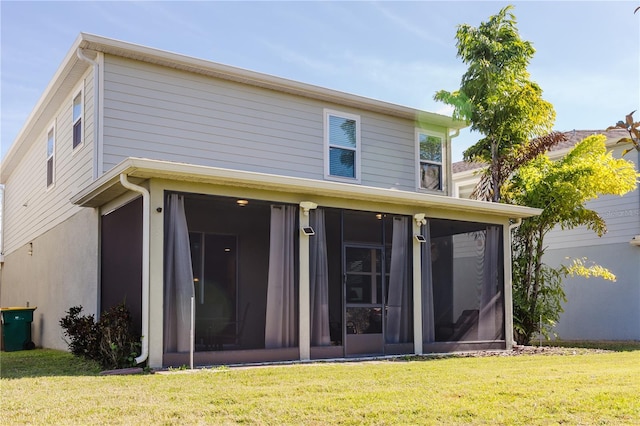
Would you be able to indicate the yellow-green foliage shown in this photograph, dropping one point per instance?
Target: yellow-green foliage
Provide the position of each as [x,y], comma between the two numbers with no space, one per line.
[562,187]
[583,268]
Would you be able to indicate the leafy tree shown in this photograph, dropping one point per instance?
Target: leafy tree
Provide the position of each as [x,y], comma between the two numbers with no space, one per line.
[496,95]
[561,188]
[632,128]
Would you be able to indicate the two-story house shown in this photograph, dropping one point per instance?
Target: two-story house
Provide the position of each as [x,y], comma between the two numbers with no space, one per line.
[295,222]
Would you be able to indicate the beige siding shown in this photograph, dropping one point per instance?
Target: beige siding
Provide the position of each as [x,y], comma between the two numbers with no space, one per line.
[59,273]
[160,113]
[31,208]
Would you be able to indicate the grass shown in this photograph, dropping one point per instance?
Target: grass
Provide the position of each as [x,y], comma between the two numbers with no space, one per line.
[51,387]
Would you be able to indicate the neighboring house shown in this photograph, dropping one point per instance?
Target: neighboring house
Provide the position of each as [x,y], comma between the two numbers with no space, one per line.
[596,309]
[306,223]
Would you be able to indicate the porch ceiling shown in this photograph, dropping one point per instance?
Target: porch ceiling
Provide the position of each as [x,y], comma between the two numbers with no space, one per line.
[108,187]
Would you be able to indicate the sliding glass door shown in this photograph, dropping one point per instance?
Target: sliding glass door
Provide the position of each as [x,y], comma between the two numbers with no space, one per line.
[214,261]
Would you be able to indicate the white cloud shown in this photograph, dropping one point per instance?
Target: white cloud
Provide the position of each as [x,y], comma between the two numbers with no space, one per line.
[408,26]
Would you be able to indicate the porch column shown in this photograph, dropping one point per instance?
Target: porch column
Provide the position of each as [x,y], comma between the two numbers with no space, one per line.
[417,283]
[156,275]
[304,326]
[508,283]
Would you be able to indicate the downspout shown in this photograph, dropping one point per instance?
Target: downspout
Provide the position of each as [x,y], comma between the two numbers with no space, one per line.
[97,145]
[515,225]
[144,341]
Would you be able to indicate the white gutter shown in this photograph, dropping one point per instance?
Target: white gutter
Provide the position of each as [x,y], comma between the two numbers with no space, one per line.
[508,296]
[97,145]
[145,265]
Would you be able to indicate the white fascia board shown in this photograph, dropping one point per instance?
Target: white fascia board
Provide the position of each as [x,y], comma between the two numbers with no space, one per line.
[143,169]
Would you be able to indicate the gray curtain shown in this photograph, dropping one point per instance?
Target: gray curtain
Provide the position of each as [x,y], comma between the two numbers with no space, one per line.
[490,293]
[178,278]
[428,318]
[398,311]
[280,321]
[319,281]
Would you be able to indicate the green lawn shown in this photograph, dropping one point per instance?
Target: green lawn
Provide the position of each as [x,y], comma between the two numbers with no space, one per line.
[50,387]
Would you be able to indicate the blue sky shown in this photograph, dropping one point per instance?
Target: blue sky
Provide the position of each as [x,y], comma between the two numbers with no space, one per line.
[587,60]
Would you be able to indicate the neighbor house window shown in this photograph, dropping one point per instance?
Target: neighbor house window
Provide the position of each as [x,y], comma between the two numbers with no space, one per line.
[50,156]
[342,146]
[77,120]
[430,161]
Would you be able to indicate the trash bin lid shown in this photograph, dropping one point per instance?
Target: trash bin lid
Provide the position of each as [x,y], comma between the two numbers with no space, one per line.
[19,308]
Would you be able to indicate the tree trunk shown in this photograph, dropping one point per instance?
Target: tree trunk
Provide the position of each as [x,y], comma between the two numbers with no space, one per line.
[495,181]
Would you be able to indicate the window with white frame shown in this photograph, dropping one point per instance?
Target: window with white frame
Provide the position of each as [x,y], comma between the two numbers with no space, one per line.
[77,120]
[51,143]
[430,148]
[342,146]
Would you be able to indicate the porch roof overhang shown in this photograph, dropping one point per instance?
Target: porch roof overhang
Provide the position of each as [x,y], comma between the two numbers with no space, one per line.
[108,187]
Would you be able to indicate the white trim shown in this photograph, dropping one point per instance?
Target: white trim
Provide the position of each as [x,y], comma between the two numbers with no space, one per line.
[443,164]
[459,184]
[327,145]
[76,93]
[118,202]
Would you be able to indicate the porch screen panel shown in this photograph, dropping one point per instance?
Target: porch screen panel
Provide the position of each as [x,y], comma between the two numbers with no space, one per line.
[280,321]
[490,297]
[319,281]
[178,278]
[428,319]
[398,313]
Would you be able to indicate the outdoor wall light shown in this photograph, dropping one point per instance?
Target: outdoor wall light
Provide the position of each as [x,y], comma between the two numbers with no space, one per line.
[30,251]
[308,231]
[306,206]
[420,219]
[242,203]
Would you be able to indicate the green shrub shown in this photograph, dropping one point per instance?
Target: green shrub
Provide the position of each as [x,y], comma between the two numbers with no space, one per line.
[111,341]
[82,333]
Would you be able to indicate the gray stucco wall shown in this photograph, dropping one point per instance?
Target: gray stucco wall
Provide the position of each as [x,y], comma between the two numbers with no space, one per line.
[62,272]
[597,309]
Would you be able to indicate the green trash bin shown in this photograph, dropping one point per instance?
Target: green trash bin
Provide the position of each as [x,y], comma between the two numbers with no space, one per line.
[16,328]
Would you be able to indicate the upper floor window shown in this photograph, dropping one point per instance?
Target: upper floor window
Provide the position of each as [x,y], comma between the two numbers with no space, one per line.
[77,120]
[342,146]
[430,161]
[50,156]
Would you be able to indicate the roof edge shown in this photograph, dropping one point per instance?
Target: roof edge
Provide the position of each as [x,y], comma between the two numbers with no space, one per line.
[141,168]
